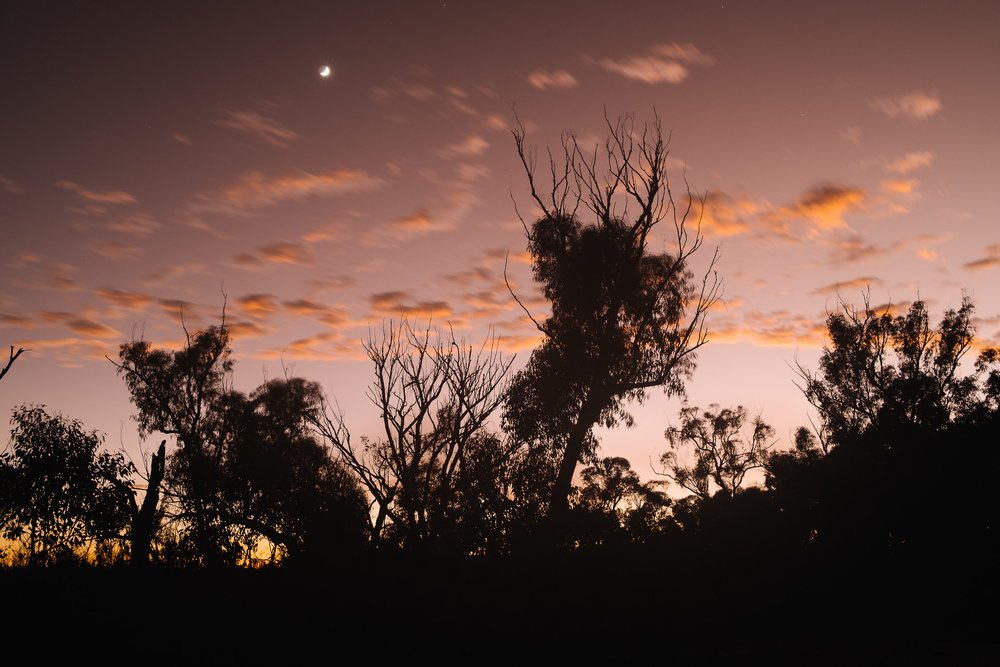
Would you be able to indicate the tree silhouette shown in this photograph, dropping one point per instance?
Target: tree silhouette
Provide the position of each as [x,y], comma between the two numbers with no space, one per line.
[10,362]
[623,320]
[246,467]
[722,455]
[433,396]
[61,498]
[896,413]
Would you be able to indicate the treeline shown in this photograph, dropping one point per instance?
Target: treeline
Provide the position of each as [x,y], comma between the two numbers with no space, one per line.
[900,461]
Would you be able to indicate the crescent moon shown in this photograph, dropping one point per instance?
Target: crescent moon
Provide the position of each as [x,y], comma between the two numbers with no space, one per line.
[325,71]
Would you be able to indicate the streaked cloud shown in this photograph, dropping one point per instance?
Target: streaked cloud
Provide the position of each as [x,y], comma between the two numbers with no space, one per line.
[173,272]
[254,190]
[97,197]
[543,79]
[900,186]
[394,304]
[661,63]
[18,321]
[115,250]
[285,253]
[132,301]
[915,106]
[265,128]
[848,285]
[854,248]
[983,263]
[89,327]
[911,162]
[257,305]
[469,147]
[135,225]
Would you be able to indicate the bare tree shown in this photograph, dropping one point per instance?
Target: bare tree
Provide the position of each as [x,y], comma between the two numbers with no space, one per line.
[623,320]
[10,362]
[433,396]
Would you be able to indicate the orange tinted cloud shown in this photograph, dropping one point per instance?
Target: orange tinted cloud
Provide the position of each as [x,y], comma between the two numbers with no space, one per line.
[662,63]
[542,79]
[900,186]
[824,206]
[722,215]
[254,190]
[470,146]
[89,327]
[984,263]
[911,162]
[392,304]
[124,299]
[257,305]
[97,197]
[915,106]
[848,285]
[19,321]
[285,253]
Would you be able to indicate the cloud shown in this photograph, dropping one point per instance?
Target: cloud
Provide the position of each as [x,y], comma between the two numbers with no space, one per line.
[542,79]
[241,329]
[95,197]
[770,329]
[263,127]
[848,285]
[19,321]
[58,278]
[823,205]
[254,190]
[257,305]
[10,185]
[331,283]
[911,162]
[662,63]
[113,250]
[392,304]
[88,327]
[915,106]
[172,272]
[900,186]
[722,215]
[982,264]
[470,146]
[71,352]
[927,254]
[851,134]
[285,253]
[326,346]
[135,225]
[854,248]
[181,138]
[331,316]
[124,299]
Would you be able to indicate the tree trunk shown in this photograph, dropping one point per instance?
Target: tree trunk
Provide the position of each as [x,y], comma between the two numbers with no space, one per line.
[559,503]
[143,525]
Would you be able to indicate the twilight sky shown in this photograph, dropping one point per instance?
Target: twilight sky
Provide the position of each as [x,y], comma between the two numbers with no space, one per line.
[156,157]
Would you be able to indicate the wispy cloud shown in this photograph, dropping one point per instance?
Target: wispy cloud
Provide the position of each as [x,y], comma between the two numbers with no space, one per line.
[285,253]
[394,304]
[848,285]
[722,215]
[915,106]
[254,190]
[470,146]
[139,225]
[116,251]
[661,63]
[95,196]
[132,301]
[542,79]
[911,162]
[263,127]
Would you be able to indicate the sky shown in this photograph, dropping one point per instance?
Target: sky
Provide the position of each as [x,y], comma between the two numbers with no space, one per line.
[161,162]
